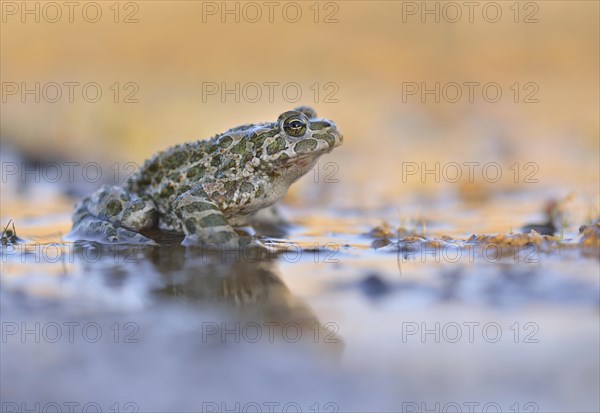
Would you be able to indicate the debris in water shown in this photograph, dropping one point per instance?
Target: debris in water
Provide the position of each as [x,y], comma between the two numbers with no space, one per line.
[373,286]
[9,236]
[590,235]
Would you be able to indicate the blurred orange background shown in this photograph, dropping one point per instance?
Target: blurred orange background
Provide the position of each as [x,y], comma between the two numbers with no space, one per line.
[359,62]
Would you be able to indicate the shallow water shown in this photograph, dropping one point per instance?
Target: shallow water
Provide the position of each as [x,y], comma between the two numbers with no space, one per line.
[331,316]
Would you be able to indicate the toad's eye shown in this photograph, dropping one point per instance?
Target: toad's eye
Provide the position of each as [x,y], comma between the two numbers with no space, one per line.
[294,127]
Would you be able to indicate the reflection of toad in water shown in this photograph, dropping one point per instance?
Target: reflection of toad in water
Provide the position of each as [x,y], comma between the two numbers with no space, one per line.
[262,308]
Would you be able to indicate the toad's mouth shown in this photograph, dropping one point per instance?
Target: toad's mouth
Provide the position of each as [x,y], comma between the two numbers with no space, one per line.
[304,159]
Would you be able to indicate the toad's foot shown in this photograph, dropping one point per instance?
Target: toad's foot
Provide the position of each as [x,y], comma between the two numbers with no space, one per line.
[93,229]
[112,215]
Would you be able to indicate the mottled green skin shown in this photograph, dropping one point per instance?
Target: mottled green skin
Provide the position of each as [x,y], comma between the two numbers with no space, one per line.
[204,188]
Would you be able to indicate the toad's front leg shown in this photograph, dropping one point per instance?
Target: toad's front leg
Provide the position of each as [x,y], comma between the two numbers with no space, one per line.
[203,222]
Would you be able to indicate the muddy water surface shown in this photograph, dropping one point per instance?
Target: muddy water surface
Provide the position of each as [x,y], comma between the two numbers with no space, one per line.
[349,309]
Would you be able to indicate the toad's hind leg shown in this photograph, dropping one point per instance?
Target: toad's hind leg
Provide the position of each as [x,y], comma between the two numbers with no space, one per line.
[111,214]
[202,221]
